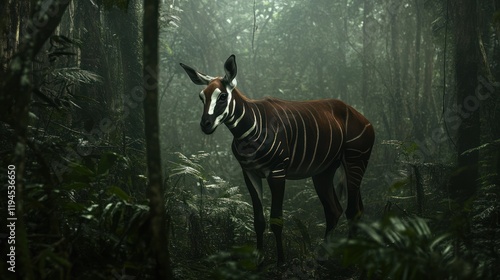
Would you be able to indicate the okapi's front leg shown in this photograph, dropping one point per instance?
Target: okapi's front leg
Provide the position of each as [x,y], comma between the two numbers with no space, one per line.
[277,186]
[254,185]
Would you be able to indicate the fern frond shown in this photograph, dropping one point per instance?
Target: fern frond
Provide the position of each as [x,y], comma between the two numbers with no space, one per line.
[76,75]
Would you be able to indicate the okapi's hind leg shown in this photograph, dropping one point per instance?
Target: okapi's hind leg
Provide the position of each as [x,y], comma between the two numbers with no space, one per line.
[323,183]
[355,163]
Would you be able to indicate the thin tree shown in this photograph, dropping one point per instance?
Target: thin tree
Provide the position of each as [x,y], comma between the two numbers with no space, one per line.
[368,44]
[466,78]
[159,241]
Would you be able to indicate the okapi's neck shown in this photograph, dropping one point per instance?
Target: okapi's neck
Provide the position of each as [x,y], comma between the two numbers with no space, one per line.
[244,117]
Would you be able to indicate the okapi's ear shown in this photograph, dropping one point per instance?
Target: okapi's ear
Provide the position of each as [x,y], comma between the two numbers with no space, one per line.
[231,71]
[197,77]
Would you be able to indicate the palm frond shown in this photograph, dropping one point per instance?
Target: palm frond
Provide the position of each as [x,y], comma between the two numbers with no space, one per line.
[76,75]
[187,166]
[396,248]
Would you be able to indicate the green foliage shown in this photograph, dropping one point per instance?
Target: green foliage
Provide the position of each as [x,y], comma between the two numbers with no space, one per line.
[239,263]
[406,150]
[87,219]
[216,214]
[63,47]
[75,75]
[396,248]
[58,77]
[306,238]
[188,166]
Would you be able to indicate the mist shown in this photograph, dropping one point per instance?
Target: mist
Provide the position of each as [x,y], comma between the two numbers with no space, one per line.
[113,168]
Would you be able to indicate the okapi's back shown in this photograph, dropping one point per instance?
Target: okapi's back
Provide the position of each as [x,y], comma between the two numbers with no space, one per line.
[316,132]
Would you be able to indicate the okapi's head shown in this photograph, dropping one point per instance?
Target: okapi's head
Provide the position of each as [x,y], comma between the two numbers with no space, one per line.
[217,96]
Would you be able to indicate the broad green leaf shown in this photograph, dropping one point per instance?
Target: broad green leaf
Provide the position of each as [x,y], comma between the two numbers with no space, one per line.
[82,170]
[106,162]
[119,193]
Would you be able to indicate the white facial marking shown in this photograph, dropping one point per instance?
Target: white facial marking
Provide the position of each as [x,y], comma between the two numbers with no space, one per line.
[213,101]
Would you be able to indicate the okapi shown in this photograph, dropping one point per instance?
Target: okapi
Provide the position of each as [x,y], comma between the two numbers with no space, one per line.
[278,140]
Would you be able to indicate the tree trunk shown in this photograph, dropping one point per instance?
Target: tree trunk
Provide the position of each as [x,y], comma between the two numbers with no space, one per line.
[342,53]
[466,78]
[159,241]
[94,58]
[393,11]
[126,25]
[15,98]
[418,36]
[419,107]
[429,103]
[368,43]
[495,134]
[36,33]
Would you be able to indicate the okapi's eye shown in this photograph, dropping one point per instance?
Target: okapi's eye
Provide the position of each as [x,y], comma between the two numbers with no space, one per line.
[223,97]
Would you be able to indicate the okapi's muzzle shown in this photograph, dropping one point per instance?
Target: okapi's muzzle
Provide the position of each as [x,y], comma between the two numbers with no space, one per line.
[207,124]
